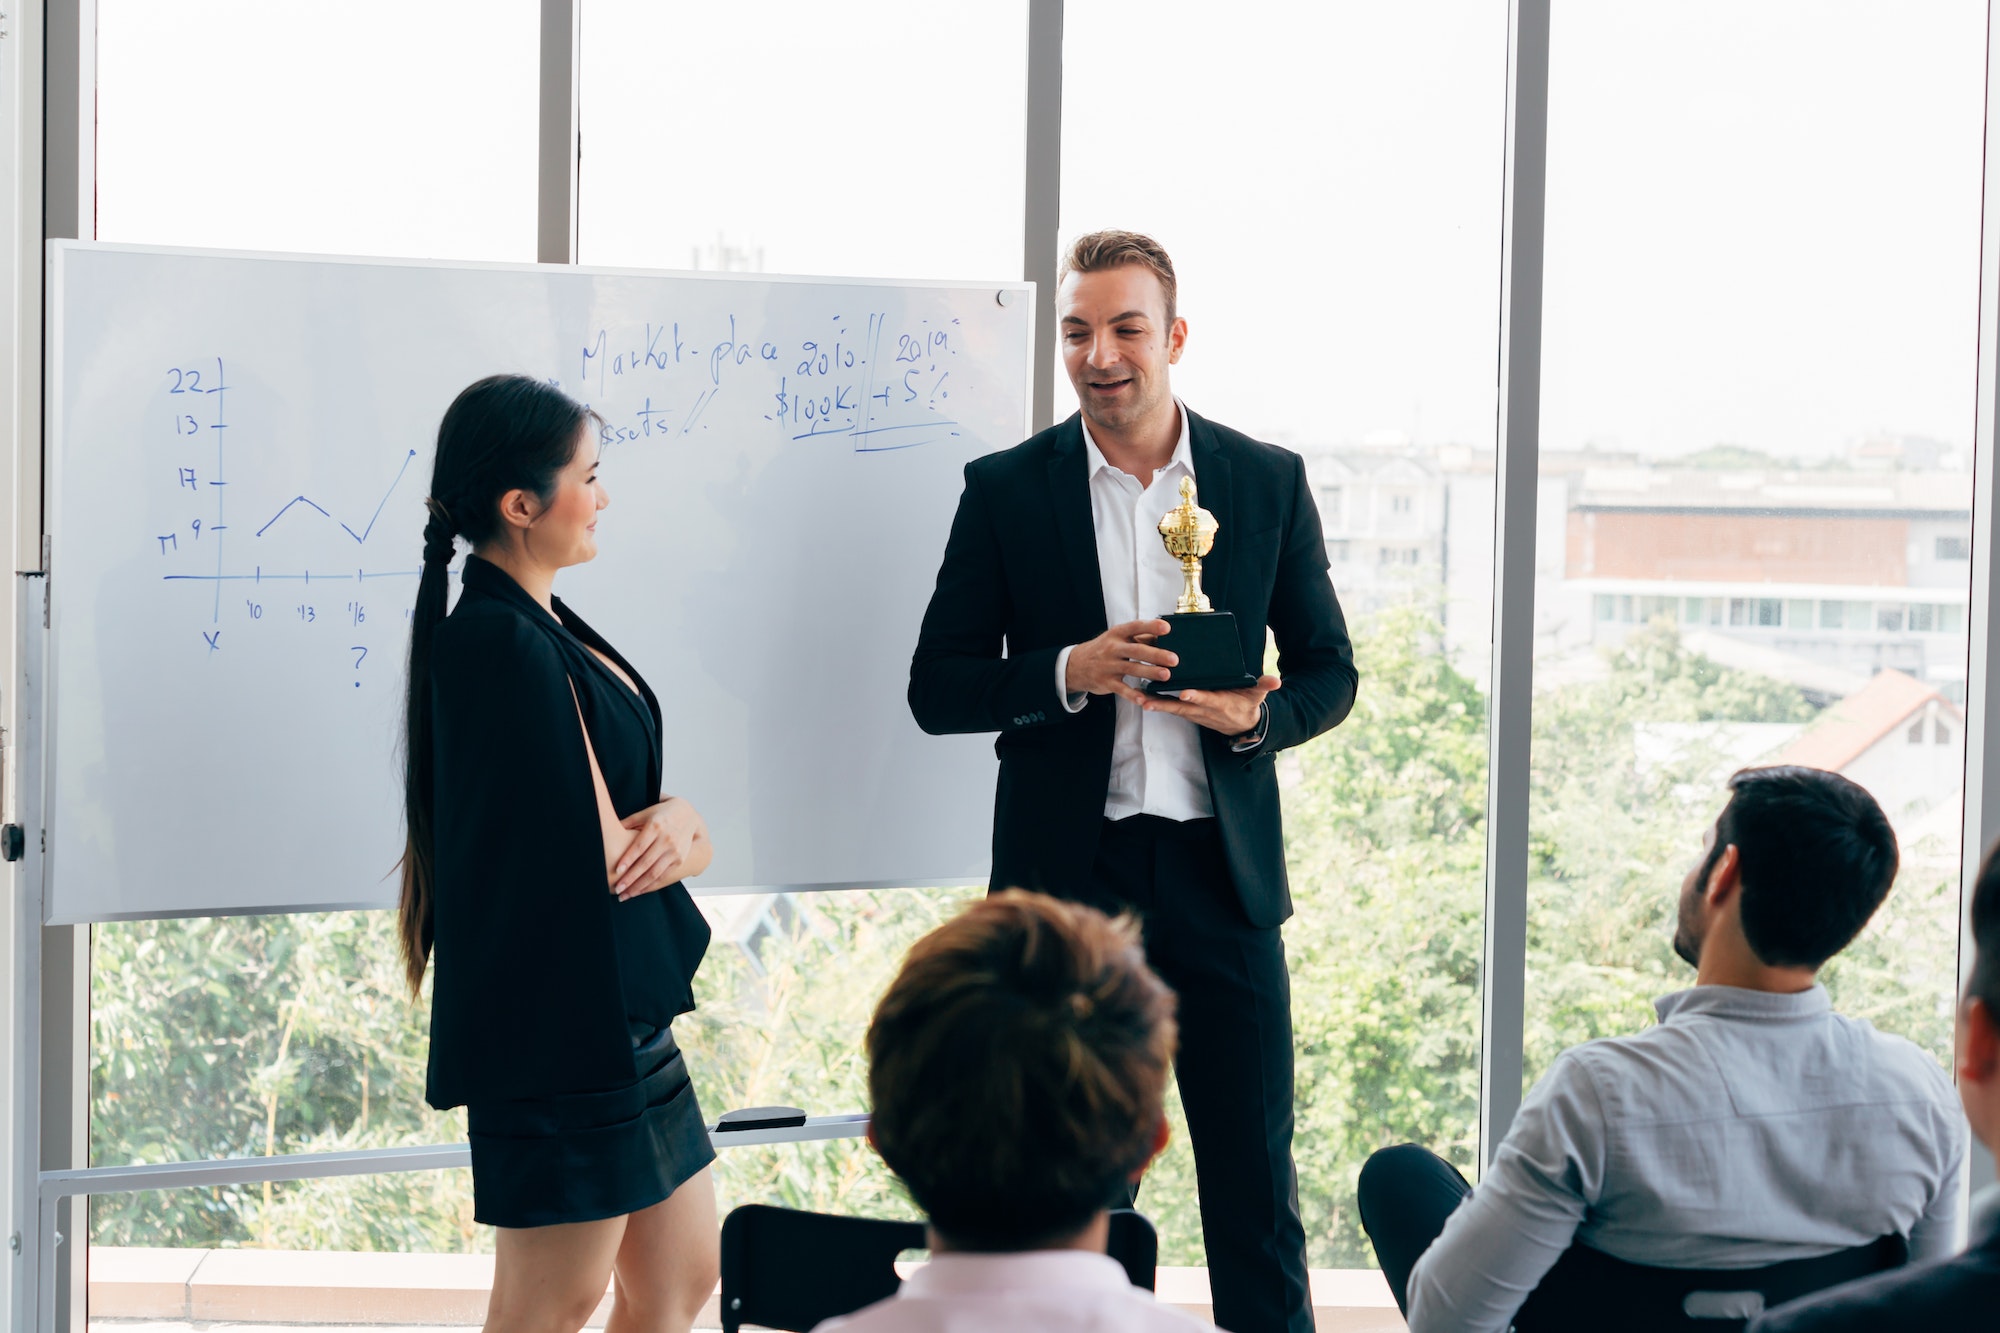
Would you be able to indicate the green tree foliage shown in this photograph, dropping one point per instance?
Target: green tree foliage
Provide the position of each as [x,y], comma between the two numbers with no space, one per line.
[241,1036]
[245,1036]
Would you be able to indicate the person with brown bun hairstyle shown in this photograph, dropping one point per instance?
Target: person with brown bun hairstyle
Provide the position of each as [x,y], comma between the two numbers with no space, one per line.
[543,877]
[1018,1067]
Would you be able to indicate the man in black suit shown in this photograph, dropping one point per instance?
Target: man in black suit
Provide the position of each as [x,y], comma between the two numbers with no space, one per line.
[1044,624]
[1962,1292]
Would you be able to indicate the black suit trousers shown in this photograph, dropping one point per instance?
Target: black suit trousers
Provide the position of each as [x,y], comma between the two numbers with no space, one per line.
[1406,1194]
[1234,1066]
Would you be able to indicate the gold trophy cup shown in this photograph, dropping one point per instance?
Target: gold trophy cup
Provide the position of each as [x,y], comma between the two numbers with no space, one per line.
[1205,640]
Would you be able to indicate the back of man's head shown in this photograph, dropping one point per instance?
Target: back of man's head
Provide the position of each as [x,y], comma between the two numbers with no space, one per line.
[1816,857]
[1017,1066]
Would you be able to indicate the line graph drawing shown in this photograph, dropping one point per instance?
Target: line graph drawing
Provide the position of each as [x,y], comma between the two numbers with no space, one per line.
[361,537]
[295,500]
[186,563]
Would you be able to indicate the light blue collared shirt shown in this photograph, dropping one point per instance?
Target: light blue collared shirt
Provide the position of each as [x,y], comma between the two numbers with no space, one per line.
[1746,1129]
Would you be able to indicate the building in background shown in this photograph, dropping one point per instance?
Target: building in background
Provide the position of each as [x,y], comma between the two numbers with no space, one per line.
[1849,581]
[1857,571]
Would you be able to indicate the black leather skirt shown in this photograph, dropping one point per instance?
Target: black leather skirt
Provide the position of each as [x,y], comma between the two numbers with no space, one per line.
[581,1157]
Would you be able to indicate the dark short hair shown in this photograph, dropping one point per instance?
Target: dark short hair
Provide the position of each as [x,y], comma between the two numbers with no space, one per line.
[1018,1066]
[1816,857]
[1984,982]
[1097,251]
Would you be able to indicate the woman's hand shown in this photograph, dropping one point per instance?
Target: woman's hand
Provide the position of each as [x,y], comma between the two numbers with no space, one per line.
[671,843]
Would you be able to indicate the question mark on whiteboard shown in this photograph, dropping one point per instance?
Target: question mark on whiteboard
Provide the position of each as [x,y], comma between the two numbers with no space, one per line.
[357,648]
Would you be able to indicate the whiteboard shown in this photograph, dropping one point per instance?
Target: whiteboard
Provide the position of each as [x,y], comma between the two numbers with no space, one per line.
[238,446]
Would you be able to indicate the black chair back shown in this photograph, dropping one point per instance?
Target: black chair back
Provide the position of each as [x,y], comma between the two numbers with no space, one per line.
[1135,1244]
[1588,1291]
[786,1269]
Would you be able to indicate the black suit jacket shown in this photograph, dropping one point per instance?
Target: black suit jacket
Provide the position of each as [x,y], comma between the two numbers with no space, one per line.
[539,969]
[1962,1292]
[1020,572]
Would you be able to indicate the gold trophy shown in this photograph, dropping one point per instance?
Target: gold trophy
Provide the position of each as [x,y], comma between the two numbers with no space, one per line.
[1205,640]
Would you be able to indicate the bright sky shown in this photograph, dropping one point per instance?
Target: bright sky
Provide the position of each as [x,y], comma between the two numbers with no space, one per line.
[1763,219]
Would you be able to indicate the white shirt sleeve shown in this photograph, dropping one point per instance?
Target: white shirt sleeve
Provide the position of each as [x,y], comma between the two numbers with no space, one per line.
[1500,1243]
[1072,703]
[1935,1234]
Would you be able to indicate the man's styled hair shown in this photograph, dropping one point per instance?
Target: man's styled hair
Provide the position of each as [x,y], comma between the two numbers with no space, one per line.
[1816,858]
[1096,251]
[1984,983]
[1017,1066]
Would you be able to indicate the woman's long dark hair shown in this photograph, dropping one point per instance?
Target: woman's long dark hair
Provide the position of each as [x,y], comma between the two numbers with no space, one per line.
[504,433]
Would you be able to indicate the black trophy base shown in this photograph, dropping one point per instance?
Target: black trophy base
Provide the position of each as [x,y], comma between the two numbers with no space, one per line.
[1211,656]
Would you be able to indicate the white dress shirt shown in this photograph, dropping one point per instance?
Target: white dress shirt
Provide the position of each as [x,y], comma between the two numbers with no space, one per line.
[1053,1291]
[1746,1129]
[1156,763]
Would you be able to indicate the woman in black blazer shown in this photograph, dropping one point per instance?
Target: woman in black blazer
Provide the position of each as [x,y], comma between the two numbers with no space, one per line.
[543,871]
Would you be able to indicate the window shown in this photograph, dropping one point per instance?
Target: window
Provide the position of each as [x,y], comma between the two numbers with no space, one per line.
[267,127]
[1331,514]
[1954,548]
[1336,551]
[1693,197]
[1940,733]
[1937,618]
[235,1036]
[1398,299]
[1762,612]
[1399,504]
[797,137]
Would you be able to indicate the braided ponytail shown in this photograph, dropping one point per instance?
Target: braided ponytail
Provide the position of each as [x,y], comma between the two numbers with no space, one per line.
[504,433]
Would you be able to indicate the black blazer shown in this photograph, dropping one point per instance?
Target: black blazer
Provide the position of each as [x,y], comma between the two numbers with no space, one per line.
[1020,570]
[1962,1292]
[539,969]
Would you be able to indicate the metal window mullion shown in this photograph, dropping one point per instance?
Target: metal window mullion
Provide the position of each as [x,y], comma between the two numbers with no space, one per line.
[1982,679]
[55,1117]
[1503,972]
[1042,194]
[558,157]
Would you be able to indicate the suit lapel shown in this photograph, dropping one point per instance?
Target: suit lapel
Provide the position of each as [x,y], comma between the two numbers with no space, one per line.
[1214,493]
[1069,500]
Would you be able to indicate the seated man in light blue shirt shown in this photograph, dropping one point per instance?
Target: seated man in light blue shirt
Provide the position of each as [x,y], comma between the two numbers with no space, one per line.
[1753,1126]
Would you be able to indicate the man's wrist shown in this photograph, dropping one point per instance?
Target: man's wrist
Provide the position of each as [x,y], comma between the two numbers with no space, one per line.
[1254,737]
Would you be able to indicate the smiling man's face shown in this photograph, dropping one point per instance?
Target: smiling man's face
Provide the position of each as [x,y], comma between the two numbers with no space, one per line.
[1118,343]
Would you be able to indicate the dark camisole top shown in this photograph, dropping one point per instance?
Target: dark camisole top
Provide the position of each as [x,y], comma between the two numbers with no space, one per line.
[543,978]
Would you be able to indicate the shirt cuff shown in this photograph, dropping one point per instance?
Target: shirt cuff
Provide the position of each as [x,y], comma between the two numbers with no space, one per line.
[1072,703]
[1253,738]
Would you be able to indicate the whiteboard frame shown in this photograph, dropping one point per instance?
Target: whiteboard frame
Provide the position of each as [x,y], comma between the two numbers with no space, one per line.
[38,768]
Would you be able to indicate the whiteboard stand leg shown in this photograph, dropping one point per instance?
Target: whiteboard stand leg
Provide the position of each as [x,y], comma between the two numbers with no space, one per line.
[47,1285]
[33,1221]
[65,1115]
